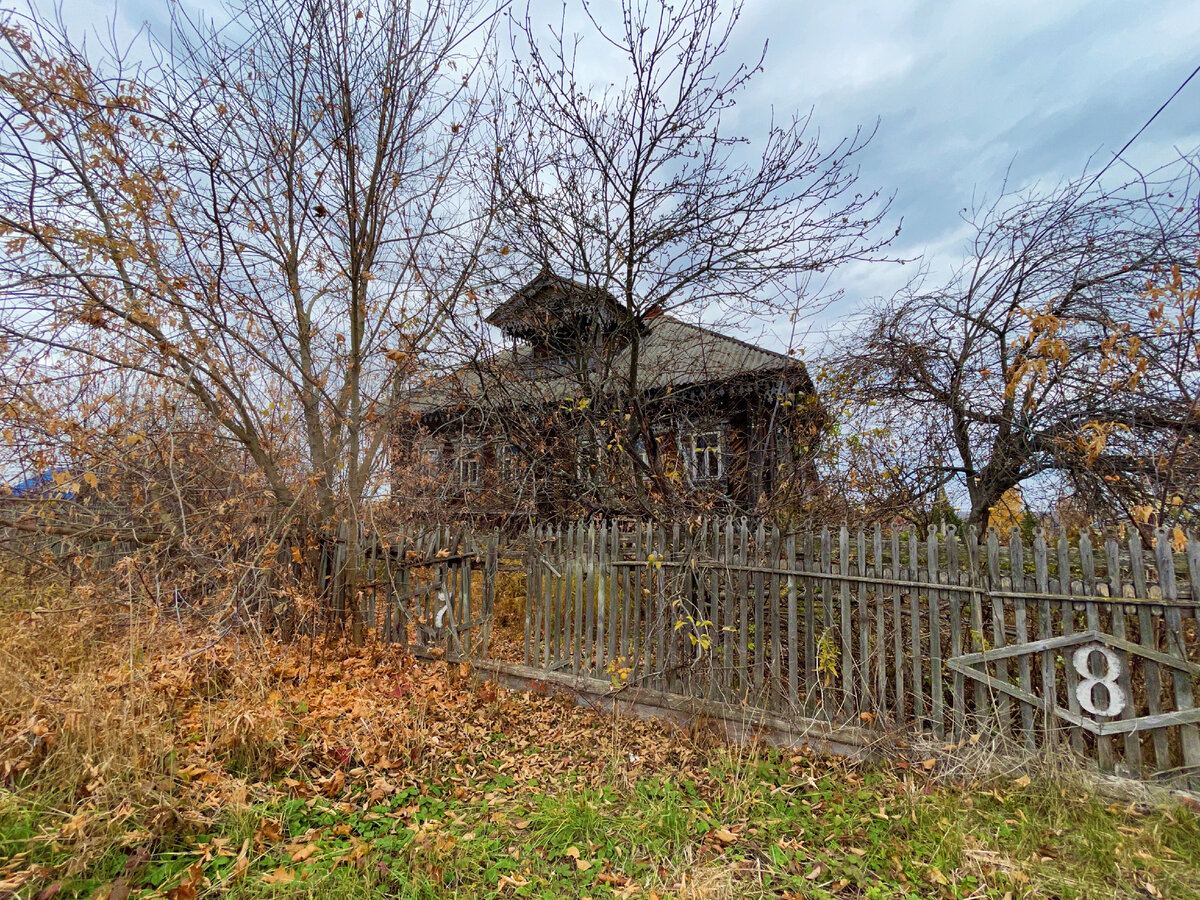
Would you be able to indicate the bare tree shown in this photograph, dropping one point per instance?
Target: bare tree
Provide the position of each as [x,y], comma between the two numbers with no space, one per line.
[274,215]
[640,191]
[1044,353]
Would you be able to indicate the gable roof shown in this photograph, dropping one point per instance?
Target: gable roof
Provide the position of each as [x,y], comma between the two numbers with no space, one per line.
[550,298]
[672,354]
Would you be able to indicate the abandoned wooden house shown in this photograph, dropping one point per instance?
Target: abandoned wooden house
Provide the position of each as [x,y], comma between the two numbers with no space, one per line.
[543,426]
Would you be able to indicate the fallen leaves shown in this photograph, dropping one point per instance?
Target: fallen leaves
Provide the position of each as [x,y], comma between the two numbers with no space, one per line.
[280,875]
[304,853]
[725,836]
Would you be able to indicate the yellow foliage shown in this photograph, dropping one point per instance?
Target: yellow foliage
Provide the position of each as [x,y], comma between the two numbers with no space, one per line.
[1008,511]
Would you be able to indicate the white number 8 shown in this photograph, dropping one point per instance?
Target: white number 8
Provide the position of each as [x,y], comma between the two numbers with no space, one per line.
[1085,691]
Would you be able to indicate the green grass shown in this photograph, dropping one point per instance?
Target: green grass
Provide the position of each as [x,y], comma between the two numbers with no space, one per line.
[776,826]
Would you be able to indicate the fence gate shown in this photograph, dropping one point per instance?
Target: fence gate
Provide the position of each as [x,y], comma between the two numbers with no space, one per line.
[434,586]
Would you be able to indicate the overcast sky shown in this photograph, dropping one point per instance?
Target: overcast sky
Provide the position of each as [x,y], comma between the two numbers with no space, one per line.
[962,92]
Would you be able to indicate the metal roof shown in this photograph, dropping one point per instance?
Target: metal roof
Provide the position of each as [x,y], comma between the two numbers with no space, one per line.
[672,354]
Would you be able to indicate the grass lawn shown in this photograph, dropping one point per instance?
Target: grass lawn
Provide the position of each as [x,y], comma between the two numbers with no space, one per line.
[135,759]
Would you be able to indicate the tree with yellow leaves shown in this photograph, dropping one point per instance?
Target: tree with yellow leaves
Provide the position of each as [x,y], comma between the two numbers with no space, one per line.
[1009,511]
[1065,345]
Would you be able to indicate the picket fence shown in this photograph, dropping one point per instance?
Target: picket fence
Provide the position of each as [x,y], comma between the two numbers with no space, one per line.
[888,629]
[884,629]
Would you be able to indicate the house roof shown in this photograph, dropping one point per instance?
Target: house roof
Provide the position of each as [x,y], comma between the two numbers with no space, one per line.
[672,354]
[550,298]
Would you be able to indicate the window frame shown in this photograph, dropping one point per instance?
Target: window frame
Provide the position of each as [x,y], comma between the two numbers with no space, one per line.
[469,457]
[710,449]
[508,457]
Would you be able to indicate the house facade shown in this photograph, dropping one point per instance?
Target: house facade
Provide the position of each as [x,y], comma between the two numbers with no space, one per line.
[589,409]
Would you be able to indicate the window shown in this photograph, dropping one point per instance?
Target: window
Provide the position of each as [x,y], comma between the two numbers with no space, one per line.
[708,463]
[428,455]
[468,468]
[508,457]
[587,457]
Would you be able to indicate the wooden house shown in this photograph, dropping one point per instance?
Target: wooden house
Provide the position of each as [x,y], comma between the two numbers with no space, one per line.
[543,426]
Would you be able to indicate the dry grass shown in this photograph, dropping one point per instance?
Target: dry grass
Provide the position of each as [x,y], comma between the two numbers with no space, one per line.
[144,749]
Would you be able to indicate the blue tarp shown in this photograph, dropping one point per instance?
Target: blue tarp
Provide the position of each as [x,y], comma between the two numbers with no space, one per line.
[45,486]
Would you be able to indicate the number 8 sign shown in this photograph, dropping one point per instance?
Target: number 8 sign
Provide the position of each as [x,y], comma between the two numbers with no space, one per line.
[1086,690]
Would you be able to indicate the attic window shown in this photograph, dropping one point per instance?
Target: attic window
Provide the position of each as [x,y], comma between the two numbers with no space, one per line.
[708,461]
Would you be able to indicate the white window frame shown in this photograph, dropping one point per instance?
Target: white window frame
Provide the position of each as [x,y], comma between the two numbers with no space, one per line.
[468,459]
[588,457]
[508,457]
[429,454]
[711,450]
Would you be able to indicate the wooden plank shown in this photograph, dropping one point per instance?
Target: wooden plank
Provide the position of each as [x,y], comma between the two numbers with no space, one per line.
[1081,637]
[558,583]
[863,663]
[896,573]
[958,697]
[1189,735]
[548,600]
[793,631]
[613,607]
[1003,703]
[368,601]
[489,591]
[465,606]
[1016,555]
[917,648]
[758,650]
[1186,718]
[530,593]
[774,624]
[647,598]
[637,629]
[848,663]
[662,610]
[717,658]
[1067,609]
[937,689]
[1133,742]
[880,657]
[1087,564]
[591,599]
[1148,637]
[625,643]
[728,615]
[1193,564]
[978,641]
[1041,571]
[575,602]
[743,600]
[808,550]
[675,605]
[405,609]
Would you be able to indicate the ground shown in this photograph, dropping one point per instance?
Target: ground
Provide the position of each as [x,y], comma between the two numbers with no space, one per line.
[150,752]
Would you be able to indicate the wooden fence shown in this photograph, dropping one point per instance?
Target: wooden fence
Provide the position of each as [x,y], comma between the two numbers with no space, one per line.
[936,632]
